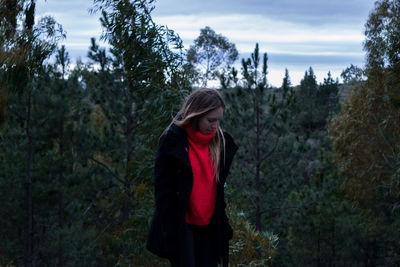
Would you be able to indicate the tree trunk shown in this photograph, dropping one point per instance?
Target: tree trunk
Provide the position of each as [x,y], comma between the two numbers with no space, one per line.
[258,200]
[258,163]
[374,257]
[333,246]
[319,250]
[61,212]
[29,201]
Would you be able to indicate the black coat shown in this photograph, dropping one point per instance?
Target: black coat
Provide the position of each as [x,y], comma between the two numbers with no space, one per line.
[173,186]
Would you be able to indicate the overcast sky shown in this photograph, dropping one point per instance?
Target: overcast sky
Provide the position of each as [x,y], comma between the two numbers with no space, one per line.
[326,35]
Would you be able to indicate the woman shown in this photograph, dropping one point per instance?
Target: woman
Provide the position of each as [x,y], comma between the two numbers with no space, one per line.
[190,226]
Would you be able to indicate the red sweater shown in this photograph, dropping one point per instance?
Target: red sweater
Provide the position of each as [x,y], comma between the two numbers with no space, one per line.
[204,191]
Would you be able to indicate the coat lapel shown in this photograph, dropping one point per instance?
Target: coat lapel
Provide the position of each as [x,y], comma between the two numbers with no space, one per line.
[177,144]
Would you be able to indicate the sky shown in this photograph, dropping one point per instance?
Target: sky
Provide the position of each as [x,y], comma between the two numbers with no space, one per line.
[326,35]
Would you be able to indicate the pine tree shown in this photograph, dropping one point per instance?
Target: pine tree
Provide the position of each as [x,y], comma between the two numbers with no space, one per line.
[23,53]
[327,100]
[258,118]
[135,92]
[306,101]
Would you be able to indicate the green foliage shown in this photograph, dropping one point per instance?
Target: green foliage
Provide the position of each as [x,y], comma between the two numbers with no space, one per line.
[257,117]
[93,135]
[327,99]
[248,247]
[9,11]
[211,56]
[382,45]
[365,137]
[369,122]
[57,127]
[315,102]
[306,101]
[134,93]
[352,75]
[312,216]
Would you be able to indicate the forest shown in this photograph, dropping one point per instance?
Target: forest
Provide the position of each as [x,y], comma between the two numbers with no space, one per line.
[315,182]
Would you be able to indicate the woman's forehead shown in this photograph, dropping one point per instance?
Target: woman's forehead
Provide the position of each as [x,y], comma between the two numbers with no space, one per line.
[215,113]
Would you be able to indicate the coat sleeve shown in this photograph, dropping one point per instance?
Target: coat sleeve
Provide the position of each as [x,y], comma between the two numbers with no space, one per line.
[165,184]
[163,229]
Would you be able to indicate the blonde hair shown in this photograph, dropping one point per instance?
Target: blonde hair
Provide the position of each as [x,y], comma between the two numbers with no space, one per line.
[198,104]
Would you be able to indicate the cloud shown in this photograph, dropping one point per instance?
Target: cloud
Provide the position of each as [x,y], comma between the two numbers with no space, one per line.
[272,35]
[306,11]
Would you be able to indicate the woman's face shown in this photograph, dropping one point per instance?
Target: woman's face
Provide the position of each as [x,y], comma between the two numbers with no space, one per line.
[210,121]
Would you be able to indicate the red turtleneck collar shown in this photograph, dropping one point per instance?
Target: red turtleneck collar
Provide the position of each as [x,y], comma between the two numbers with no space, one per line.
[197,136]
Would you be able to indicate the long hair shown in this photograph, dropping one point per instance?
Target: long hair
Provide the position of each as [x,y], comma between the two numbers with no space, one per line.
[198,104]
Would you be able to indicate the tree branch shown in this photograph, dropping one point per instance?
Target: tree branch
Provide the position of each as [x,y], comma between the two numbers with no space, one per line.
[108,169]
[290,207]
[271,151]
[384,137]
[16,114]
